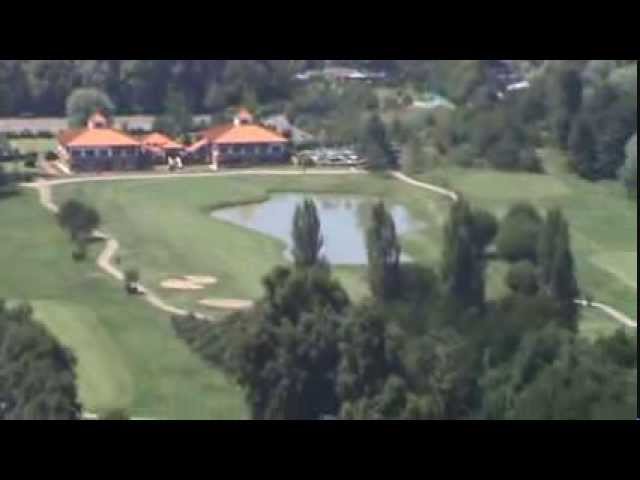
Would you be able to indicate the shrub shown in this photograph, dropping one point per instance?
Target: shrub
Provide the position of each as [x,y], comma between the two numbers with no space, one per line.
[79,253]
[529,161]
[51,155]
[131,278]
[522,278]
[463,156]
[518,234]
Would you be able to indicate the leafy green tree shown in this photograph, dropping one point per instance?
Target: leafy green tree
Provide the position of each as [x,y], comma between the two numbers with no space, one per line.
[415,158]
[579,385]
[287,357]
[375,144]
[563,285]
[50,83]
[556,264]
[629,173]
[383,253]
[215,100]
[37,374]
[621,348]
[522,278]
[131,278]
[307,236]
[79,219]
[441,373]
[565,95]
[554,222]
[4,179]
[370,358]
[14,88]
[462,262]
[625,80]
[84,102]
[583,150]
[518,234]
[177,118]
[484,228]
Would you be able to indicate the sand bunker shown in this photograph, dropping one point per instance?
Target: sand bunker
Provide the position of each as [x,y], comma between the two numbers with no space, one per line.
[189,282]
[180,284]
[226,303]
[201,279]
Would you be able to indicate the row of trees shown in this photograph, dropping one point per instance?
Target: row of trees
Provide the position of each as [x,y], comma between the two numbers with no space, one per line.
[40,87]
[424,344]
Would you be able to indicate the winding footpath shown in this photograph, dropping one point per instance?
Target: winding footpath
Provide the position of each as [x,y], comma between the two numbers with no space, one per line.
[609,310]
[105,259]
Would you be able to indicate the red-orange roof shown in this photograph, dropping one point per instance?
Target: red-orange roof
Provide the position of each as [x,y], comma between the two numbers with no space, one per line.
[214,132]
[157,139]
[249,134]
[102,137]
[68,135]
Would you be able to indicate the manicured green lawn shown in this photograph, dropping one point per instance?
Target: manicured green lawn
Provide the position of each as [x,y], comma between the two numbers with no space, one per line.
[39,145]
[165,229]
[603,220]
[128,353]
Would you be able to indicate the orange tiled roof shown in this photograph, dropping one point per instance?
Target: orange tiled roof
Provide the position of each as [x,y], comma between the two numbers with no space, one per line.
[248,134]
[214,132]
[157,139]
[102,137]
[66,136]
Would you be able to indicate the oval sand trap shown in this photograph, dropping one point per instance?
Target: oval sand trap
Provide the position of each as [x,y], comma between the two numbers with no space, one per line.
[180,284]
[226,303]
[201,279]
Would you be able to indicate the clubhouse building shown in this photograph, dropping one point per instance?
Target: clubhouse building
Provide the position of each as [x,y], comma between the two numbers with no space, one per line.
[241,142]
[101,147]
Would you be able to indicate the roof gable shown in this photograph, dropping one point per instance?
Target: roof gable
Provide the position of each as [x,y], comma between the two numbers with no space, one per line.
[102,137]
[249,134]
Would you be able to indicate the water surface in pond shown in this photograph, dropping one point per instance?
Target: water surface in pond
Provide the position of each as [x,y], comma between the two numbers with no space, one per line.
[343,217]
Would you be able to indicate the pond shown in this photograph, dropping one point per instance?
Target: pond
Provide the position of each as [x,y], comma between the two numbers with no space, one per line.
[343,218]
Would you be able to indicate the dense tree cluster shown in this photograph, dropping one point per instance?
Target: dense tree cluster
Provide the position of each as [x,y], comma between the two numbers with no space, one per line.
[84,102]
[41,87]
[306,352]
[591,112]
[37,375]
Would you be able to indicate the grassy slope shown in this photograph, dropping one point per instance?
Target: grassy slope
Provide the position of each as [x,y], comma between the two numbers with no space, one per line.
[603,221]
[128,354]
